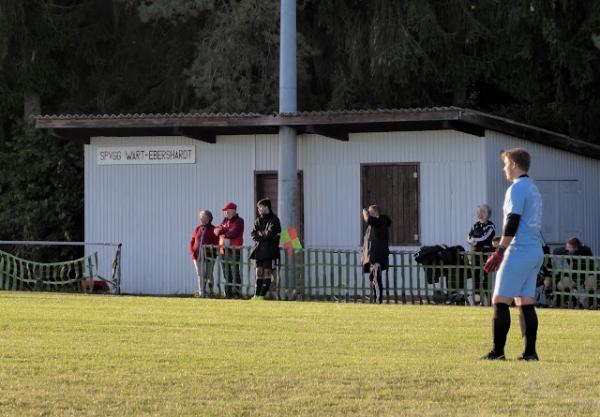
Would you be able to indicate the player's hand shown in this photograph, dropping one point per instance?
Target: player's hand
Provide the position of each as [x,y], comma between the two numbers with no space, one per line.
[493,262]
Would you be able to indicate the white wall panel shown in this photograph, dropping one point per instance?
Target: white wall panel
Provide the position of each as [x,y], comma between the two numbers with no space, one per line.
[153,209]
[553,165]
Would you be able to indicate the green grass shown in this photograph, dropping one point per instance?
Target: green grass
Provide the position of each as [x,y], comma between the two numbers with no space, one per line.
[77,355]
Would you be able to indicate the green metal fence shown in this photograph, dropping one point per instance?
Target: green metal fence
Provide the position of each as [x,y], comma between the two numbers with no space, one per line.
[337,275]
[18,274]
[78,275]
[332,275]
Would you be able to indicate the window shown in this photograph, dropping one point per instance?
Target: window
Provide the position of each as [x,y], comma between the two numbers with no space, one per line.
[395,188]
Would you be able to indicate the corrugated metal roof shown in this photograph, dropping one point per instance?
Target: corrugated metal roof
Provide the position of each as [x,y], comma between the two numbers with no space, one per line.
[142,116]
[372,111]
[336,124]
[243,114]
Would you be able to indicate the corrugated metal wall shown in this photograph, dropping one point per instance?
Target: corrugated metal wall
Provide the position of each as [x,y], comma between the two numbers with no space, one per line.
[153,209]
[450,185]
[554,165]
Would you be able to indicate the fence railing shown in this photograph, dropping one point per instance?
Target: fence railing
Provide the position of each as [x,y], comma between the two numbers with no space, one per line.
[337,275]
[77,275]
[329,275]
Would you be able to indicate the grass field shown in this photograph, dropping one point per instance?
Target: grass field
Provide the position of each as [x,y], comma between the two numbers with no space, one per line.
[76,355]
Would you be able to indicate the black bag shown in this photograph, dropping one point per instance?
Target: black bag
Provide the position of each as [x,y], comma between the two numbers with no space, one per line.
[429,255]
[440,255]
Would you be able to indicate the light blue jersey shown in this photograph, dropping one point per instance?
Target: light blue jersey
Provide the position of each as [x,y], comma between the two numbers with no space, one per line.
[523,259]
[524,198]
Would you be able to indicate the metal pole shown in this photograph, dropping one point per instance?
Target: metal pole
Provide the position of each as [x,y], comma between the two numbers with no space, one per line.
[287,58]
[287,184]
[287,178]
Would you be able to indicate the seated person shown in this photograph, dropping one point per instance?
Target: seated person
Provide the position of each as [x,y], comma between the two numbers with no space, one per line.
[544,280]
[581,279]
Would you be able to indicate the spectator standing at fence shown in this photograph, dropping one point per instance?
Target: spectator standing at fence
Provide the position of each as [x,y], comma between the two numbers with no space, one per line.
[231,239]
[518,258]
[376,248]
[483,231]
[265,251]
[203,258]
[480,240]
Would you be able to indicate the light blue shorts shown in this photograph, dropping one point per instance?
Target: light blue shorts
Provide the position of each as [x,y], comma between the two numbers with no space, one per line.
[518,272]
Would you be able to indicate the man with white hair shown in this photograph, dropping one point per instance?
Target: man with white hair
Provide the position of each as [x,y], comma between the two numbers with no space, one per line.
[480,240]
[482,232]
[203,258]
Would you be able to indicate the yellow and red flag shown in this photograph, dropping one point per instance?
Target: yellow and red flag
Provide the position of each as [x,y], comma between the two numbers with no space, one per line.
[289,240]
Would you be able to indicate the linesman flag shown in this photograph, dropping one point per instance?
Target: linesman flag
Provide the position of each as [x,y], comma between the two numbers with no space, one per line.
[289,240]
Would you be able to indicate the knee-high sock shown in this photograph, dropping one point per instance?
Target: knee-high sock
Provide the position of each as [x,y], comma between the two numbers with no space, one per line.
[529,326]
[500,327]
[266,285]
[259,285]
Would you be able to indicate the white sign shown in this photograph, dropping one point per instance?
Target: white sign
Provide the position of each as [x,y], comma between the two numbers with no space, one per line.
[135,155]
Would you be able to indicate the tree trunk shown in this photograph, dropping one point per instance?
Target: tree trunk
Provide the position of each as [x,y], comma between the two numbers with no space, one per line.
[31,107]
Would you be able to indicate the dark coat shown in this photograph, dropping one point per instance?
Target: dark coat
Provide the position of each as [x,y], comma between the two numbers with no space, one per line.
[265,234]
[376,247]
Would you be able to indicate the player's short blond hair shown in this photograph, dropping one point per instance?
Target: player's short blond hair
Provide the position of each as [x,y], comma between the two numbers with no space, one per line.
[519,156]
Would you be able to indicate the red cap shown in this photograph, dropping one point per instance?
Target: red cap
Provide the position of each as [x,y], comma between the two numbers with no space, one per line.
[229,206]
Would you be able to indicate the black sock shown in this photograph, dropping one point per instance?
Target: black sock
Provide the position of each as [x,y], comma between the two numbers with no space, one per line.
[529,326]
[259,286]
[266,286]
[500,327]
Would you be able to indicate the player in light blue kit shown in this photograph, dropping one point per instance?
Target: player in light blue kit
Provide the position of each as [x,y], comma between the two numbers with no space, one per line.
[518,257]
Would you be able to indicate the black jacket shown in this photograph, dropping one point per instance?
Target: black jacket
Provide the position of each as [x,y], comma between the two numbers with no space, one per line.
[376,248]
[265,233]
[481,235]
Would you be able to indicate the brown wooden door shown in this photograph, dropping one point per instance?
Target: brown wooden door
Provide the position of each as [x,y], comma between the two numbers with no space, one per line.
[395,188]
[266,186]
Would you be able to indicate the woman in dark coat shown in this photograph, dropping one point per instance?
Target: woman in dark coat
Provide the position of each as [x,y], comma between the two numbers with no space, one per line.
[376,248]
[265,251]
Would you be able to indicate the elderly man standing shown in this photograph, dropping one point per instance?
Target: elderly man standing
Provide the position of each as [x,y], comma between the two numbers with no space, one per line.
[203,258]
[231,238]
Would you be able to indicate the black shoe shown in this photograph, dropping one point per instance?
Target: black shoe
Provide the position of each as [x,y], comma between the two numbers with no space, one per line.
[532,357]
[493,356]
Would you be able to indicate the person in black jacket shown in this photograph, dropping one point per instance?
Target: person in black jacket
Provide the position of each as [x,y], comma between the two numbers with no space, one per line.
[376,248]
[265,250]
[480,239]
[482,233]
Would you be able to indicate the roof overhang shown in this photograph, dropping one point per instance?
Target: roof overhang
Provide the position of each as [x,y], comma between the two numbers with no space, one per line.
[333,124]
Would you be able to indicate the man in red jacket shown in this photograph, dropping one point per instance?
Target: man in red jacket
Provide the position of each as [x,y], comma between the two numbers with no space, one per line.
[231,238]
[204,258]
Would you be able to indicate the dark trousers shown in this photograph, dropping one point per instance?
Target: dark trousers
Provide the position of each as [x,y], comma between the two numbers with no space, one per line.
[480,278]
[233,278]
